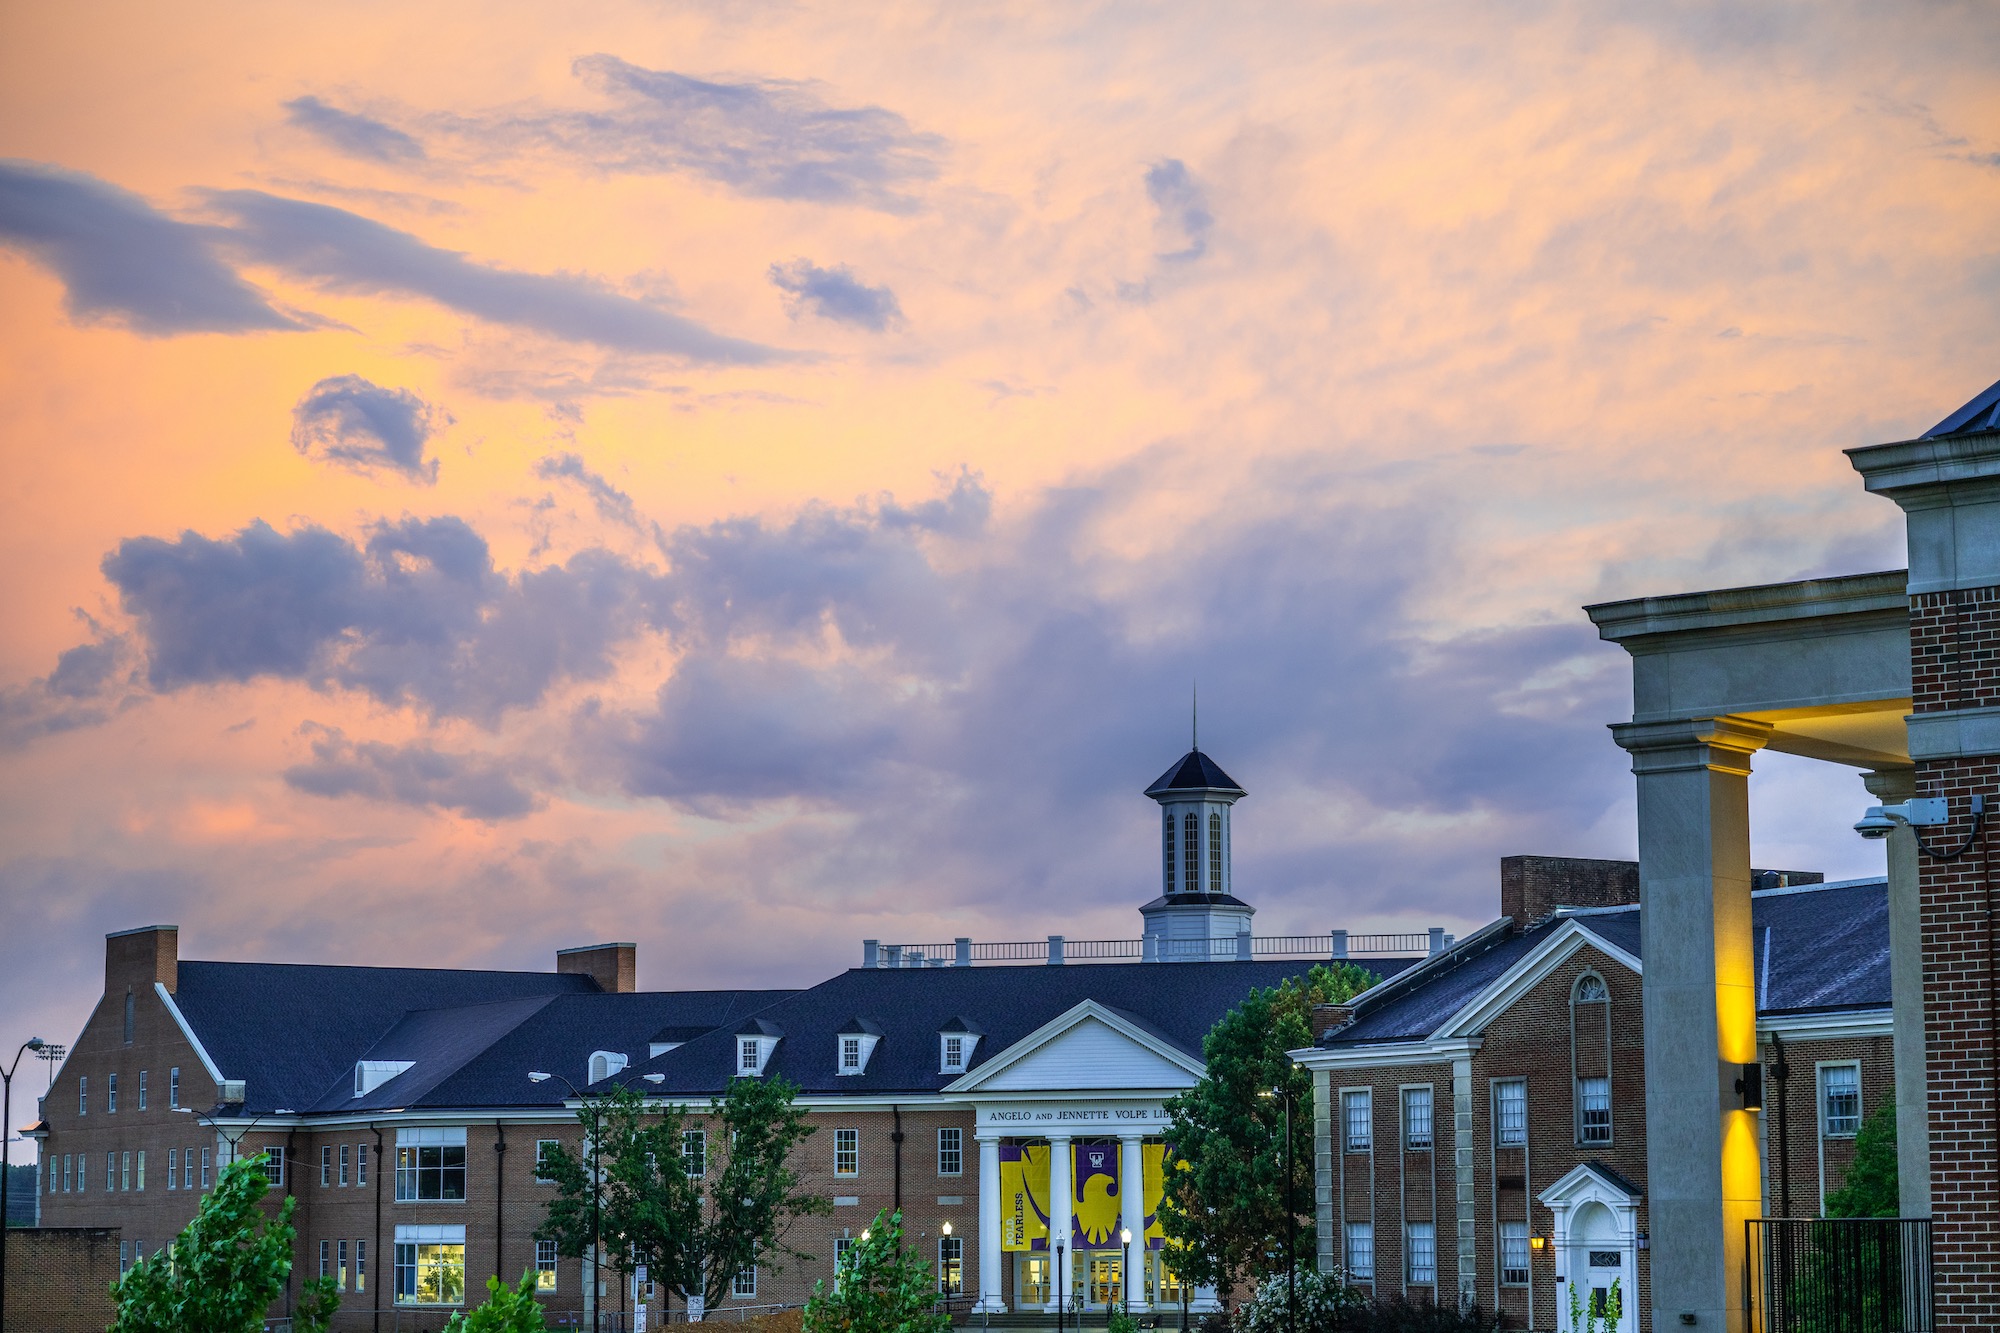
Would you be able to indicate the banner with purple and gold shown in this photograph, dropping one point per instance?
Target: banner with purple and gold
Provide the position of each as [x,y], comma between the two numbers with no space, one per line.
[1094,1222]
[1024,1196]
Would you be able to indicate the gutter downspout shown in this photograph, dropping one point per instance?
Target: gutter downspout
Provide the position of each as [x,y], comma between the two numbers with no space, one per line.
[1782,1073]
[896,1137]
[382,1168]
[291,1164]
[499,1199]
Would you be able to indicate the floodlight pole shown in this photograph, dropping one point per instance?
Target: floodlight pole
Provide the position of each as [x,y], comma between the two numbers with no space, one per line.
[6,1167]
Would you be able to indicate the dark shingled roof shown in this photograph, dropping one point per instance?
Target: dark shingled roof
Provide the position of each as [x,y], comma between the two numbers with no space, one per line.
[1982,413]
[1195,772]
[1177,1002]
[292,1032]
[1828,949]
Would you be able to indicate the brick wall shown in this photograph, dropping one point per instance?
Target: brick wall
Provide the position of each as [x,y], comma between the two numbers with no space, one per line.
[1953,665]
[1810,1154]
[59,1279]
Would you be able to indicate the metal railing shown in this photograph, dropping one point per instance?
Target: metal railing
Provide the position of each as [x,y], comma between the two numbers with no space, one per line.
[1838,1275]
[1059,949]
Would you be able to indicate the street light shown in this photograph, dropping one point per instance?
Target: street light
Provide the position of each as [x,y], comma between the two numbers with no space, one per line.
[6,1136]
[596,1197]
[241,1134]
[1284,1094]
[1125,1287]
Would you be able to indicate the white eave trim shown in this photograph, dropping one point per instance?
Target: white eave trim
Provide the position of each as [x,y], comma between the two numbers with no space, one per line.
[1388,1053]
[1564,943]
[1062,1023]
[167,998]
[1828,1026]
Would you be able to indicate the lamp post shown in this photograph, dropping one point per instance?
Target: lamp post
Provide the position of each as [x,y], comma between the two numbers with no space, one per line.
[241,1134]
[1059,1283]
[1125,1287]
[596,1198]
[6,1168]
[1284,1094]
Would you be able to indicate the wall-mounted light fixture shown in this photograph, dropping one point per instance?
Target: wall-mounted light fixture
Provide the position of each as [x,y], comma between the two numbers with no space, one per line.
[1537,1242]
[1645,1241]
[1750,1086]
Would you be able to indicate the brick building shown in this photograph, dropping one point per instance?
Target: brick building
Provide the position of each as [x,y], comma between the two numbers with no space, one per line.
[398,1106]
[1481,1117]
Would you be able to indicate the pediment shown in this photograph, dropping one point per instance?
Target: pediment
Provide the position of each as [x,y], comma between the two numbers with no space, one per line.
[1091,1048]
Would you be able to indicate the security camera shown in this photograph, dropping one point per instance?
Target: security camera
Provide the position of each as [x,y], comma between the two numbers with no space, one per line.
[1876,823]
[1917,812]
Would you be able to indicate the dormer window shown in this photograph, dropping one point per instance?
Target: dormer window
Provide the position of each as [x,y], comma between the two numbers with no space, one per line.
[603,1064]
[748,1058]
[850,1055]
[372,1074]
[857,1038]
[754,1045]
[955,1045]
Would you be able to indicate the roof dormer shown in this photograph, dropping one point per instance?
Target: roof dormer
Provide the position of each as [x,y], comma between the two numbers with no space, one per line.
[372,1074]
[956,1041]
[755,1041]
[855,1043]
[603,1064]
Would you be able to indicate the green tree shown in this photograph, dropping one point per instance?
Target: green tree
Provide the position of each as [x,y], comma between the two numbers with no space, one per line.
[880,1288]
[1224,1205]
[694,1234]
[1870,1189]
[223,1272]
[507,1310]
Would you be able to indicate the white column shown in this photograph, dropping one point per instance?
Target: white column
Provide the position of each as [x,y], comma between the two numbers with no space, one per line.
[1062,1193]
[1132,1211]
[988,1242]
[1906,992]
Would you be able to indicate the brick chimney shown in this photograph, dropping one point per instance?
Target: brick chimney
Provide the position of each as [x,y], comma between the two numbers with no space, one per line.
[615,967]
[1329,1018]
[135,959]
[1531,887]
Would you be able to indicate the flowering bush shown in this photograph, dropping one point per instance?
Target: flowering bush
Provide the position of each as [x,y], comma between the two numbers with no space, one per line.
[1324,1299]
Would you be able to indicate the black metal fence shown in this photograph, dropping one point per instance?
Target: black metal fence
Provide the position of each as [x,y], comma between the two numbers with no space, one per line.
[1838,1275]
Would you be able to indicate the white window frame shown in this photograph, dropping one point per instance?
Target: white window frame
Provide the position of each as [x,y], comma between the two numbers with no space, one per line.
[841,1245]
[743,1284]
[850,1054]
[326,1258]
[846,1153]
[416,1239]
[542,1147]
[274,1172]
[346,1164]
[1363,1232]
[1411,1234]
[173,1167]
[142,1090]
[360,1164]
[361,1265]
[1584,1123]
[82,1095]
[1514,1245]
[951,1151]
[1412,1095]
[545,1262]
[1349,1099]
[139,1176]
[413,1140]
[111,1094]
[340,1265]
[1505,1135]
[1826,1116]
[694,1149]
[174,1088]
[326,1166]
[951,1260]
[207,1163]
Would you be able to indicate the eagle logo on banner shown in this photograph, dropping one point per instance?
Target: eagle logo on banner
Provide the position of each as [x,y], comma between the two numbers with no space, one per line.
[1096,1195]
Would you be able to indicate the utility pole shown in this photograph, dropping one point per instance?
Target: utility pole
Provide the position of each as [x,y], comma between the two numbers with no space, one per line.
[6,1166]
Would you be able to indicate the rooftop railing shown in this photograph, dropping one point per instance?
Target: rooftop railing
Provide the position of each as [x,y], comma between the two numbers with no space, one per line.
[1244,947]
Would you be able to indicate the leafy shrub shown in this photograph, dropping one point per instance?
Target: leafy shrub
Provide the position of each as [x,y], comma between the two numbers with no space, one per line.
[507,1310]
[1325,1303]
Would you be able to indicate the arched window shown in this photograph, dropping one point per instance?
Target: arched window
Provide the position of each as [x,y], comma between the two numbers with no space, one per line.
[1191,852]
[1214,852]
[1169,862]
[1590,1058]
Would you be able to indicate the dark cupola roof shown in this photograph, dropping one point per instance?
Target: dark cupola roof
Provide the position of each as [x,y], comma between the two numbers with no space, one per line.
[1195,772]
[1982,413]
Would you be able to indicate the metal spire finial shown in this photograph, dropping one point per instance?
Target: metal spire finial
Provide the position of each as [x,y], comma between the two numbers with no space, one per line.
[1194,718]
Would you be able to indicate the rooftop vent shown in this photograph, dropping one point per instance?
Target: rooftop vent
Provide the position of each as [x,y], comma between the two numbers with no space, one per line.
[603,1064]
[372,1074]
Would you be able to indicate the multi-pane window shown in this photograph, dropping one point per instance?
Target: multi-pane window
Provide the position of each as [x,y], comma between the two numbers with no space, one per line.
[83,1095]
[1416,1118]
[850,1054]
[142,1090]
[66,1176]
[1420,1246]
[430,1167]
[1214,852]
[744,1284]
[1358,1116]
[326,1164]
[340,1265]
[207,1161]
[694,1153]
[173,1166]
[346,1164]
[951,1152]
[954,1053]
[1840,1100]
[110,1171]
[430,1265]
[1361,1250]
[125,1172]
[111,1094]
[847,1152]
[1169,858]
[842,1244]
[1510,1112]
[361,1265]
[1191,850]
[1593,1110]
[1514,1253]
[545,1265]
[174,1087]
[746,1055]
[543,1147]
[274,1170]
[326,1258]
[139,1176]
[951,1265]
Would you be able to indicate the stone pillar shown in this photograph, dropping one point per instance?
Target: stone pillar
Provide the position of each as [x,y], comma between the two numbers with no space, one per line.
[1132,1210]
[1906,987]
[1326,1231]
[990,1300]
[1948,487]
[1463,1173]
[1062,1202]
[1704,1179]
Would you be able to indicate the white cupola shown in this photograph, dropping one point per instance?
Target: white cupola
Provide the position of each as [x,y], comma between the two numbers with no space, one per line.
[1197,906]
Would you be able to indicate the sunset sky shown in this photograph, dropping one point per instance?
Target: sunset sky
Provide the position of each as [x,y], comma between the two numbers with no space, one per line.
[743,478]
